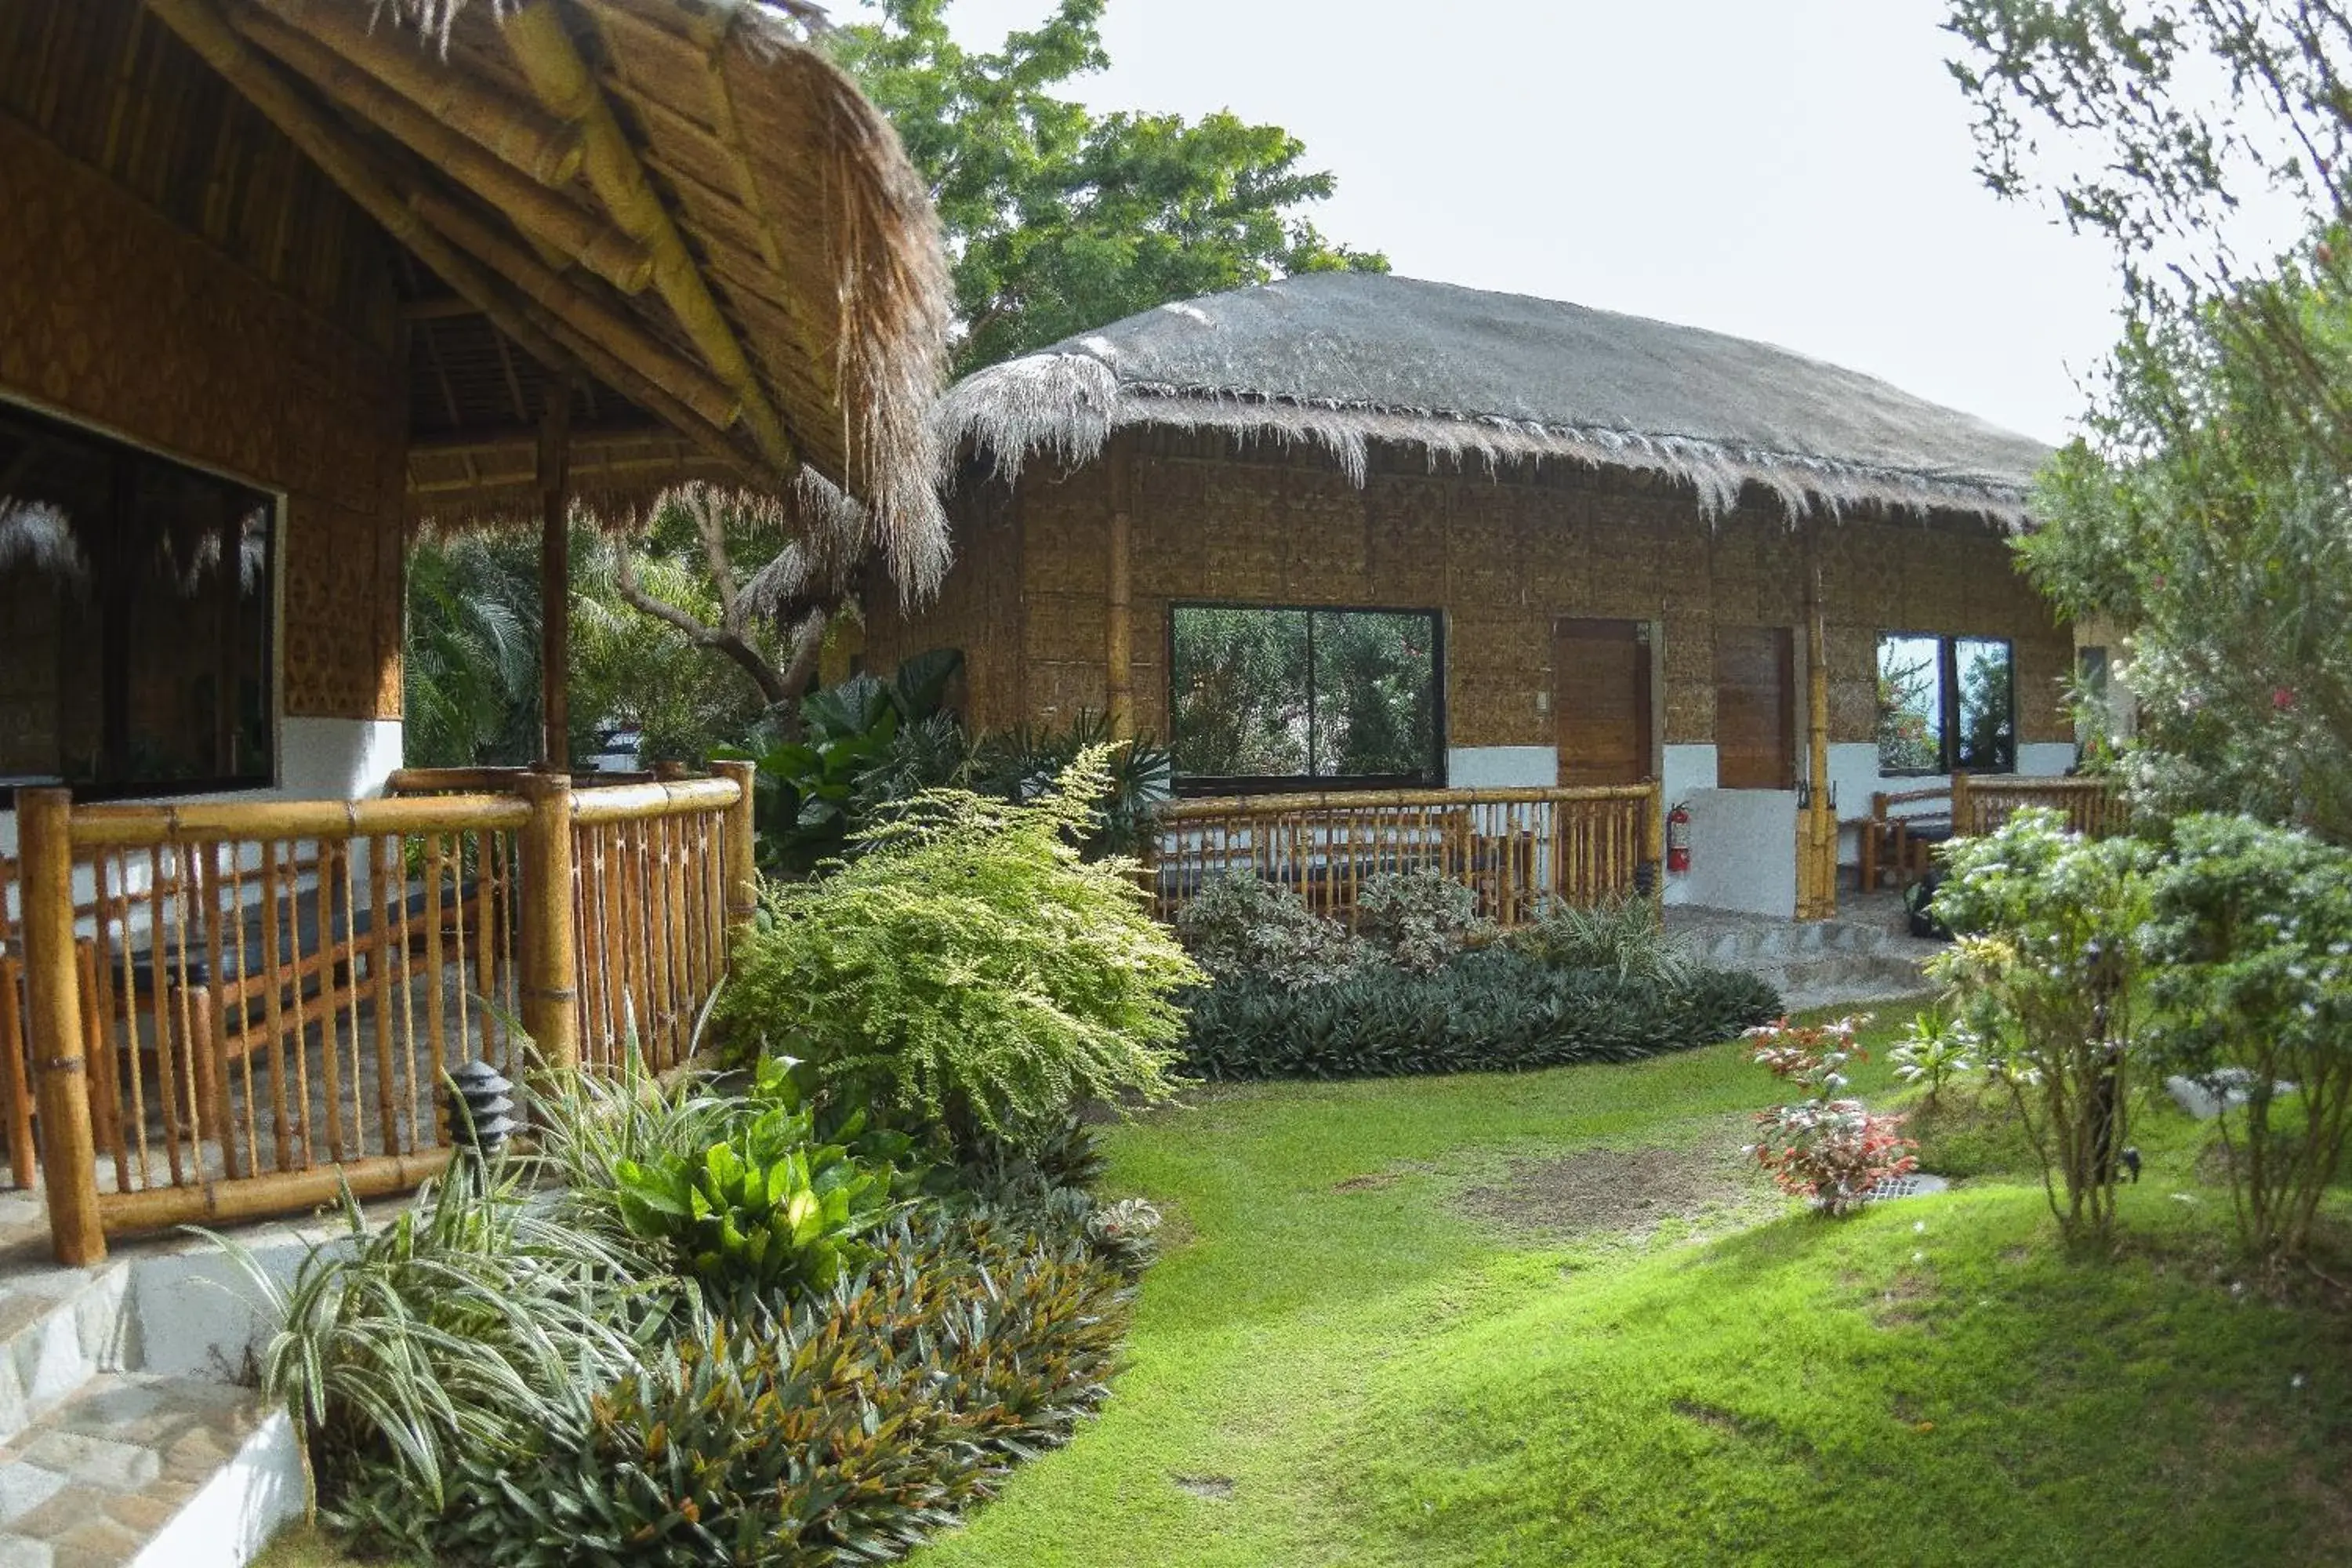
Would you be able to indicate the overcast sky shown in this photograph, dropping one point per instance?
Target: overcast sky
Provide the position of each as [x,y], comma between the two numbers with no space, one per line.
[1798,171]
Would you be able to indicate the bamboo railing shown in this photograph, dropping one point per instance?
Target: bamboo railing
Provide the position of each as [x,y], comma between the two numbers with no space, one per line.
[255,1005]
[1516,847]
[2093,807]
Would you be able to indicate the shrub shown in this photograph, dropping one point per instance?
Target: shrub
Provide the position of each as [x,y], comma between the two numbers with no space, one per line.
[2250,972]
[1826,1147]
[1623,936]
[968,969]
[2041,970]
[1491,1010]
[770,1207]
[839,1433]
[1245,928]
[1419,919]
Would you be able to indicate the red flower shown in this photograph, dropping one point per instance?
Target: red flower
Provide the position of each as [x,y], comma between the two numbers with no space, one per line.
[2282,698]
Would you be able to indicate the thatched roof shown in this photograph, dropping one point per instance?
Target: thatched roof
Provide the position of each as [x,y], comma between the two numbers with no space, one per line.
[1345,360]
[677,206]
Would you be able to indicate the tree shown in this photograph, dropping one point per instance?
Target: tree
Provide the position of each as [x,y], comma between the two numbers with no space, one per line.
[470,674]
[2206,511]
[1061,220]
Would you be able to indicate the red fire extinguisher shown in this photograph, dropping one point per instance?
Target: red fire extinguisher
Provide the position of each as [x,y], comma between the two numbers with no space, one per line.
[1678,838]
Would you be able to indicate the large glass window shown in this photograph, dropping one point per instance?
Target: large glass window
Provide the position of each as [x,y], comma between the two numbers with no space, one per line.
[1270,699]
[1945,702]
[135,608]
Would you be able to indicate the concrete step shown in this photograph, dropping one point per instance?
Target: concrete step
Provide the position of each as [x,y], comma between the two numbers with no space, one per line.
[137,1468]
[58,1329]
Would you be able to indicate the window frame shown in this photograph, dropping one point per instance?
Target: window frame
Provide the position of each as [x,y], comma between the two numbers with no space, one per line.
[1947,687]
[1198,785]
[121,447]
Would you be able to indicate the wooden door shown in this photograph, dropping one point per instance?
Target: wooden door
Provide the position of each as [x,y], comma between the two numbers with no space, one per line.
[1755,707]
[1600,670]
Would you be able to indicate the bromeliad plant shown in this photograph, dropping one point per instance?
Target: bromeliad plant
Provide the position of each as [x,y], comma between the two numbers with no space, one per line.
[771,1208]
[1827,1147]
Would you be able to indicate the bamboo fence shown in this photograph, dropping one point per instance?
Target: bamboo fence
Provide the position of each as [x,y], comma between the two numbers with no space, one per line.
[233,1010]
[1517,848]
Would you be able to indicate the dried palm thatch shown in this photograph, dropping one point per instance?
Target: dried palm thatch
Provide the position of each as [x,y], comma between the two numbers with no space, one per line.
[1347,362]
[675,216]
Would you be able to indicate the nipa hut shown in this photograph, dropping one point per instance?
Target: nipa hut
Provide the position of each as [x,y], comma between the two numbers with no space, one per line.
[1349,532]
[285,279]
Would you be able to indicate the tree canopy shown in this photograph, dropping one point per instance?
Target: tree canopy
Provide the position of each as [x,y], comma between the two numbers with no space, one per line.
[1061,219]
[2208,508]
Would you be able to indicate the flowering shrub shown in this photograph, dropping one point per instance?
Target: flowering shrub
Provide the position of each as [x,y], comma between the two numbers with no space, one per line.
[1247,928]
[2046,951]
[1419,919]
[1830,1150]
[2250,972]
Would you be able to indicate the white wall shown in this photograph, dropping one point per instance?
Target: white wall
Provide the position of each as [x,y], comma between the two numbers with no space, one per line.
[318,759]
[1502,767]
[1743,852]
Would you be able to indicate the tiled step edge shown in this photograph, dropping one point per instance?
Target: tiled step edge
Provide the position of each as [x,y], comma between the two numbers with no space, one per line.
[233,1516]
[59,1328]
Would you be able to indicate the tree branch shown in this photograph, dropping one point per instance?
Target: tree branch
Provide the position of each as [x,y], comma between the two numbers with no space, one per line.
[776,687]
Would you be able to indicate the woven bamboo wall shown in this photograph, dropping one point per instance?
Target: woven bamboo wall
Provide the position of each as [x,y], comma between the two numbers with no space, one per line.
[172,271]
[1504,555]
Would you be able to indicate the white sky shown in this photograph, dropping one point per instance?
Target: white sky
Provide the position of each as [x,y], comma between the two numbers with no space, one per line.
[1797,171]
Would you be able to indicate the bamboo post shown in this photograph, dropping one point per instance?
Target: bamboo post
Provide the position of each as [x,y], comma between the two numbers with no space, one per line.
[1118,664]
[555,576]
[53,997]
[742,869]
[1817,839]
[549,1001]
[1963,806]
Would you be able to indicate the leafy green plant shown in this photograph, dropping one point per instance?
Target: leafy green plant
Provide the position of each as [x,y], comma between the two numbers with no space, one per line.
[770,1207]
[1242,927]
[1488,1010]
[2250,972]
[1936,1047]
[1623,936]
[2043,971]
[969,969]
[1419,919]
[1023,762]
[840,1433]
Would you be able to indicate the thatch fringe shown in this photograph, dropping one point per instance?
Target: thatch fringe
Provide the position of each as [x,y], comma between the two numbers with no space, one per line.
[1065,407]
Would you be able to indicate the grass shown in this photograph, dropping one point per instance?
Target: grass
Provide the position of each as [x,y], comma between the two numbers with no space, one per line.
[1340,1361]
[1340,1365]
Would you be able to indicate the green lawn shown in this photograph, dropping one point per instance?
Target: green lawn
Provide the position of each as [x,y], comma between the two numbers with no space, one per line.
[1353,1354]
[1339,1363]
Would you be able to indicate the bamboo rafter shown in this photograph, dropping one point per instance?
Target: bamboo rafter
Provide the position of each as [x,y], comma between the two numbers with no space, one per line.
[568,89]
[515,133]
[539,212]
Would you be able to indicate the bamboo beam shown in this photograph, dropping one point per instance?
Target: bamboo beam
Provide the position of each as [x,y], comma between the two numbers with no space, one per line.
[54,1012]
[634,370]
[550,62]
[136,827]
[360,174]
[554,476]
[621,336]
[1118,664]
[514,131]
[261,1196]
[664,797]
[538,211]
